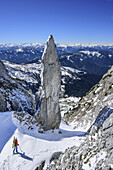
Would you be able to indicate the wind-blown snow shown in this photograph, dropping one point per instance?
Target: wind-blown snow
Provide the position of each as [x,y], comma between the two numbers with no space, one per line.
[33,148]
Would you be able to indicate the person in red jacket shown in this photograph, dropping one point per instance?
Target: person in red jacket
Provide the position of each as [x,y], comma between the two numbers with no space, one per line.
[16,144]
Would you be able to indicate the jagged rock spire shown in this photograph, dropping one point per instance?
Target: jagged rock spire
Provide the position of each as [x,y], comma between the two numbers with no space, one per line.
[49,113]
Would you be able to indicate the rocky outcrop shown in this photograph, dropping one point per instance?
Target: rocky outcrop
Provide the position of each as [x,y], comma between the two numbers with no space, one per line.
[3,71]
[3,106]
[24,120]
[96,152]
[55,156]
[14,94]
[41,166]
[87,109]
[95,111]
[49,115]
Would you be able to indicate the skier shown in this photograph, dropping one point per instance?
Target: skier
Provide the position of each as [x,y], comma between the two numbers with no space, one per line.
[15,145]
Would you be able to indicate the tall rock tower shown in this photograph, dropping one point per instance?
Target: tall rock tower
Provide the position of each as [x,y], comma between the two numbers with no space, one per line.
[49,115]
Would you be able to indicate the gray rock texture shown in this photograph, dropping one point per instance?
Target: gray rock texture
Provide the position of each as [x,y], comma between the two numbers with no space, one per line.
[2,103]
[95,110]
[49,114]
[85,112]
[41,166]
[96,152]
[3,71]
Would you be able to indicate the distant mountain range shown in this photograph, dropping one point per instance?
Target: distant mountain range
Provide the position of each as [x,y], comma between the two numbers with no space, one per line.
[82,65]
[60,47]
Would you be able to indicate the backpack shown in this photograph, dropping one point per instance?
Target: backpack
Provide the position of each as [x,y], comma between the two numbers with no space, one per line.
[14,143]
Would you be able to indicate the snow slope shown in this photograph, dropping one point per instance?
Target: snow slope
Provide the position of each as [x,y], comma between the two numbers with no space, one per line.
[7,128]
[34,147]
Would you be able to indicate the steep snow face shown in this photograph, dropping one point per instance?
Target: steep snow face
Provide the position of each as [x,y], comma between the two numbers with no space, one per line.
[33,146]
[7,128]
[85,112]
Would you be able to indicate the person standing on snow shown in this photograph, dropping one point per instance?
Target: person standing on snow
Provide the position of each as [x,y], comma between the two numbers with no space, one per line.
[15,145]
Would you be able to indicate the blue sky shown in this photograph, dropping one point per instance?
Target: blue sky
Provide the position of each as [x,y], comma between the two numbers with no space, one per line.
[69,21]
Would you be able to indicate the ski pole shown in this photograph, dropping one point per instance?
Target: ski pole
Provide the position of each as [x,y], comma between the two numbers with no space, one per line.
[21,150]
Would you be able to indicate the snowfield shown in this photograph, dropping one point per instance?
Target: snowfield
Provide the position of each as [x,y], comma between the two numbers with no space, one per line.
[33,146]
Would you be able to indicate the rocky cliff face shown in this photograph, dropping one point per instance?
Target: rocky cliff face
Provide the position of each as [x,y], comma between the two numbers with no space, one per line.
[95,113]
[49,114]
[86,111]
[96,152]
[14,94]
[3,71]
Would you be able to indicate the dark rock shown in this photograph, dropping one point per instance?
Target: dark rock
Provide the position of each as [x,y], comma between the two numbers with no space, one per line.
[55,156]
[3,71]
[41,166]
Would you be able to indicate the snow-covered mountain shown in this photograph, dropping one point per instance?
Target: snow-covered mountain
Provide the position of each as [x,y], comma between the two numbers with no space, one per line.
[94,113]
[61,47]
[20,55]
[80,70]
[84,114]
[93,62]
[82,65]
[70,149]
[10,46]
[30,52]
[67,148]
[72,79]
[14,93]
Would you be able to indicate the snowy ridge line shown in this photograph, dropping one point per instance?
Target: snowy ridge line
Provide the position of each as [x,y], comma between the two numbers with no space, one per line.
[37,147]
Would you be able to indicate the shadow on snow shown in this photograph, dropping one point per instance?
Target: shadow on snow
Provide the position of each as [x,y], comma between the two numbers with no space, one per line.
[55,136]
[24,156]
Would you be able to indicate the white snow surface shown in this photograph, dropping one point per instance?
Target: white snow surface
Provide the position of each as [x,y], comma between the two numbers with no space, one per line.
[23,71]
[91,53]
[33,146]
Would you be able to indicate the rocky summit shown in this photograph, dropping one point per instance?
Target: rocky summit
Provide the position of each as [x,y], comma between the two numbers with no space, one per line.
[49,114]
